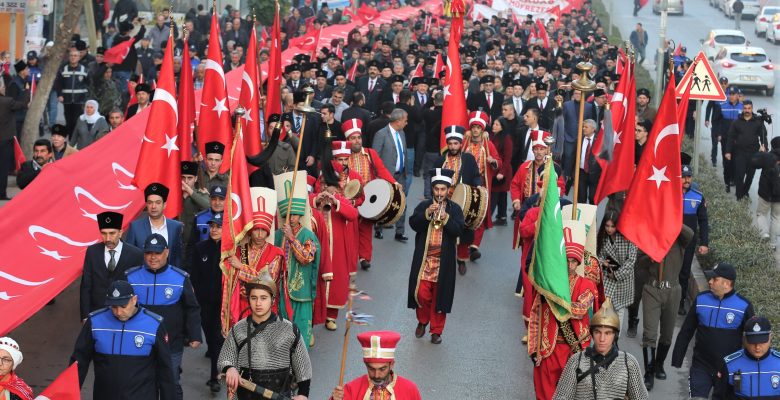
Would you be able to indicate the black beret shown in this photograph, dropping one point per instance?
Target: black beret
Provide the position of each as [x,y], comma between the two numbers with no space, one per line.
[109,220]
[20,66]
[396,78]
[274,118]
[643,91]
[158,189]
[143,87]
[189,168]
[215,148]
[58,129]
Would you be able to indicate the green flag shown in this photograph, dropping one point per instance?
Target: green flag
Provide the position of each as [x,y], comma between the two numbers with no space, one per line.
[549,272]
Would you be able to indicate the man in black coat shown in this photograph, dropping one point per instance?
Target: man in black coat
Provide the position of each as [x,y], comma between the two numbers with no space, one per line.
[356,110]
[414,130]
[438,223]
[432,120]
[486,100]
[43,155]
[311,142]
[372,86]
[546,106]
[206,278]
[99,270]
[380,122]
[8,108]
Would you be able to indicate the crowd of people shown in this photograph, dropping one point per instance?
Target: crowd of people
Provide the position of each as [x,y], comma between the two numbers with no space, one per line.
[156,285]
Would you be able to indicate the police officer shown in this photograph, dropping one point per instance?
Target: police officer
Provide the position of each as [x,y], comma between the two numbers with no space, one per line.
[200,227]
[72,84]
[129,345]
[167,290]
[717,316]
[207,283]
[751,372]
[730,110]
[695,217]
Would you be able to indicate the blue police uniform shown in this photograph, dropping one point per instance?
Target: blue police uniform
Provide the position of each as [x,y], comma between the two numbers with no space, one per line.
[132,358]
[202,225]
[168,292]
[695,217]
[718,325]
[758,378]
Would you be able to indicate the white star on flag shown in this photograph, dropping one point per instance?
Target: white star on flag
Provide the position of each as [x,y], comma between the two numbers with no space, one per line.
[617,136]
[52,253]
[219,106]
[247,116]
[446,91]
[170,144]
[659,175]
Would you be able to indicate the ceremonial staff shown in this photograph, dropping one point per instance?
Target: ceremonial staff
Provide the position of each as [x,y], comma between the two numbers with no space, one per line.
[585,86]
[352,291]
[303,108]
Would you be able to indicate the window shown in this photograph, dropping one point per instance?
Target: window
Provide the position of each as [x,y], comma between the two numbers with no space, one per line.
[748,57]
[729,39]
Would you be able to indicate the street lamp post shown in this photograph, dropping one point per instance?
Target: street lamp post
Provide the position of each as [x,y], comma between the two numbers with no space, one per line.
[661,60]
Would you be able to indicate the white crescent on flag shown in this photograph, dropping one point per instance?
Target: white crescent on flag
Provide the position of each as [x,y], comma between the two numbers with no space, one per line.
[213,65]
[163,95]
[21,281]
[671,129]
[33,229]
[248,80]
[237,199]
[116,167]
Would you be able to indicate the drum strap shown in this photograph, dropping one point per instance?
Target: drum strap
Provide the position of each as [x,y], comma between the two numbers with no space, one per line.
[373,166]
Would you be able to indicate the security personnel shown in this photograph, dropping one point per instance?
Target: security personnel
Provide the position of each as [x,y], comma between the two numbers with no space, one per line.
[72,85]
[751,372]
[129,345]
[217,195]
[196,198]
[167,290]
[730,110]
[694,217]
[717,316]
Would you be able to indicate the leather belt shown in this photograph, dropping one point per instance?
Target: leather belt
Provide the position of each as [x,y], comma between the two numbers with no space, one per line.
[661,284]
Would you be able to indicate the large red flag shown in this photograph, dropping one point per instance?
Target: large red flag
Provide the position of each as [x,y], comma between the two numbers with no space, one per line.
[250,122]
[65,387]
[237,220]
[652,215]
[19,157]
[273,104]
[118,53]
[367,13]
[159,160]
[186,103]
[352,73]
[454,111]
[541,31]
[617,174]
[214,118]
[307,42]
[416,73]
[682,106]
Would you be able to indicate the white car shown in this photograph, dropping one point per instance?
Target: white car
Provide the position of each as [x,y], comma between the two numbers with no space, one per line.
[751,8]
[718,38]
[764,19]
[746,67]
[672,7]
[773,30]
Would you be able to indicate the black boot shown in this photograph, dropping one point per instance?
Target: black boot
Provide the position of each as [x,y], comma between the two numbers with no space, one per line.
[682,310]
[660,357]
[648,354]
[632,324]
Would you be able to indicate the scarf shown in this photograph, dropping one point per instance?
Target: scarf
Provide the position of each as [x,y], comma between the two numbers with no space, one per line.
[91,119]
[16,385]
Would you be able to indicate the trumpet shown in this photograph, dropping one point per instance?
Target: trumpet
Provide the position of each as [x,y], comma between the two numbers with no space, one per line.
[437,218]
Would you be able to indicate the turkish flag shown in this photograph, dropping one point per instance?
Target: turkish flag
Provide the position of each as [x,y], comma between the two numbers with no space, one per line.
[541,31]
[438,66]
[214,118]
[652,215]
[307,42]
[682,106]
[65,387]
[159,159]
[19,157]
[367,13]
[249,100]
[556,11]
[454,110]
[237,220]
[352,73]
[131,89]
[263,38]
[118,53]
[616,176]
[273,104]
[417,73]
[186,103]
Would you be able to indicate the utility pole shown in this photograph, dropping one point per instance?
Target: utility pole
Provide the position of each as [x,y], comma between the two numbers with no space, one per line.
[661,58]
[611,22]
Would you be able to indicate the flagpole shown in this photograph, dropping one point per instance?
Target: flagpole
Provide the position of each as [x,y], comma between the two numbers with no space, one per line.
[231,272]
[352,289]
[305,108]
[585,86]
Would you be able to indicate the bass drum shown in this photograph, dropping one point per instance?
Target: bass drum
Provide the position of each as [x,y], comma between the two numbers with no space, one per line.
[383,203]
[473,200]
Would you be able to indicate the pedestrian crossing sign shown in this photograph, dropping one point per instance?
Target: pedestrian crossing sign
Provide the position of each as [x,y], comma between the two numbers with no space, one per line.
[703,81]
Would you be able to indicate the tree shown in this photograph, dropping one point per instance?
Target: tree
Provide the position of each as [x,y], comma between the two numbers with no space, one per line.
[265,10]
[65,29]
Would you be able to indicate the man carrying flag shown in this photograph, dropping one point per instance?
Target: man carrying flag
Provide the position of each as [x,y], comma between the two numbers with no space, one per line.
[454,110]
[559,324]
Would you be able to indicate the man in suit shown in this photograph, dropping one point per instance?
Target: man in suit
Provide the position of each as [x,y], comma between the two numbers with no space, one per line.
[546,107]
[486,100]
[570,122]
[294,73]
[523,152]
[517,98]
[590,170]
[381,121]
[156,195]
[390,144]
[357,110]
[372,86]
[413,131]
[105,262]
[599,100]
[396,86]
[310,145]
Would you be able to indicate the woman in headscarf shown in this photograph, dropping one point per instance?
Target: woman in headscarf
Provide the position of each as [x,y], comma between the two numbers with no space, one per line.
[12,387]
[89,126]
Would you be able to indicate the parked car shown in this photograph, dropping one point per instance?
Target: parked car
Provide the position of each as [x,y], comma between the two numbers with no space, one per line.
[672,7]
[773,30]
[764,19]
[751,8]
[721,37]
[746,67]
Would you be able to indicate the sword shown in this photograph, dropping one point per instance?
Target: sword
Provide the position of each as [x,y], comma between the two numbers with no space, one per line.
[263,392]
